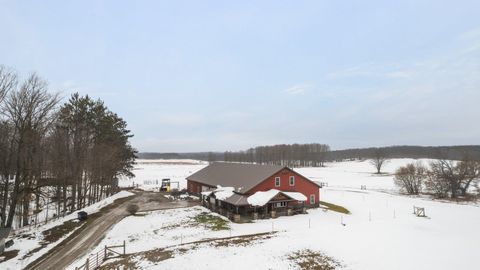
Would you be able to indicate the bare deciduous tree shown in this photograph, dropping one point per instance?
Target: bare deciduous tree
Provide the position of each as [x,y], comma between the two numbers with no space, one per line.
[469,172]
[30,110]
[411,177]
[8,82]
[439,187]
[379,158]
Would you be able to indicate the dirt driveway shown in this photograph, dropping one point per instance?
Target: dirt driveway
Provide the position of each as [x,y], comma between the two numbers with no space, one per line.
[90,235]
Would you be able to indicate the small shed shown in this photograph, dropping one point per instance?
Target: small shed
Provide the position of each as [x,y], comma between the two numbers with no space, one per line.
[4,232]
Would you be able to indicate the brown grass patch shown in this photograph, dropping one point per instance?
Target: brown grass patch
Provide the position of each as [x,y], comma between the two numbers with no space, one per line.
[313,260]
[212,222]
[334,207]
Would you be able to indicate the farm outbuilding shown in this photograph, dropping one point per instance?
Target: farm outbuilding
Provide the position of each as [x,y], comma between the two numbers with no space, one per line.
[240,190]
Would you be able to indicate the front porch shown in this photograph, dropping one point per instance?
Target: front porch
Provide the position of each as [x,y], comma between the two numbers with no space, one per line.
[237,208]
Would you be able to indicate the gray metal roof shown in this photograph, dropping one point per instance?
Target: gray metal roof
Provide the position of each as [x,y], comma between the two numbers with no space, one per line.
[241,176]
[237,199]
[4,232]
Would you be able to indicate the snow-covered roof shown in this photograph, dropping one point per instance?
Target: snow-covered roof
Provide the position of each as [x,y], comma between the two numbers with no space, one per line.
[260,198]
[207,193]
[295,195]
[228,195]
[222,193]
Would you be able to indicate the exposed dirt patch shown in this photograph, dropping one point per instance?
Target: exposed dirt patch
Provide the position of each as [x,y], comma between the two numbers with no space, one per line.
[123,263]
[54,234]
[130,261]
[57,232]
[308,259]
[7,255]
[241,240]
[157,255]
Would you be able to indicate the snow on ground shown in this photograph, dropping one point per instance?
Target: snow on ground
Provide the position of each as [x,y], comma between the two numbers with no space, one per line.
[447,239]
[353,174]
[380,233]
[33,241]
[150,172]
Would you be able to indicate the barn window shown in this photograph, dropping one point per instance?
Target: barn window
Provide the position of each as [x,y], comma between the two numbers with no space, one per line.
[292,180]
[312,199]
[277,181]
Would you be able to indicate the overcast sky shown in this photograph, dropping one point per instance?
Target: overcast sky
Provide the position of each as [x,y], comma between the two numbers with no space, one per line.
[212,76]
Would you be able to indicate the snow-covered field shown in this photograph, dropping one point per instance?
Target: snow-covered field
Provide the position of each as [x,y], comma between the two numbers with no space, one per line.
[150,172]
[28,245]
[353,174]
[380,233]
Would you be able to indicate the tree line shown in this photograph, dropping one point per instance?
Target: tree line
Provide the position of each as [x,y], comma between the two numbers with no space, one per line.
[291,155]
[407,151]
[416,152]
[69,155]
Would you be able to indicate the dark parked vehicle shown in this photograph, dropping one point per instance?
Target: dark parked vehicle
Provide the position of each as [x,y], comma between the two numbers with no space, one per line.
[82,215]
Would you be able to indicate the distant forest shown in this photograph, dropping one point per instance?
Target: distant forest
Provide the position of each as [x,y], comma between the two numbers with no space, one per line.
[316,154]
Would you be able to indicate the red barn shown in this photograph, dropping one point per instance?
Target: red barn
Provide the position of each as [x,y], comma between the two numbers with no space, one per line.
[253,187]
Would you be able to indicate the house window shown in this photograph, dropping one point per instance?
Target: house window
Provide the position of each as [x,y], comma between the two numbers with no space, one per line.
[292,181]
[312,199]
[277,181]
[280,204]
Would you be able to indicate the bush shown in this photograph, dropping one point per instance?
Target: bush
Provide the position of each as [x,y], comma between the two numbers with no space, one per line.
[411,177]
[132,209]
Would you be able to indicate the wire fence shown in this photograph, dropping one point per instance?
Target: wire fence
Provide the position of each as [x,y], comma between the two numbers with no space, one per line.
[95,260]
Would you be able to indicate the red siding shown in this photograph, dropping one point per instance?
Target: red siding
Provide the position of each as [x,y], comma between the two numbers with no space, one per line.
[195,187]
[301,185]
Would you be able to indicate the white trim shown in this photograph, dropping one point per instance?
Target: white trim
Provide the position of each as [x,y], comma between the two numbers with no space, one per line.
[312,196]
[292,177]
[279,181]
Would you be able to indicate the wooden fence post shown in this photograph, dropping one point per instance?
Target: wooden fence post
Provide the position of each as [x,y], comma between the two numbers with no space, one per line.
[123,247]
[105,254]
[97,259]
[87,264]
